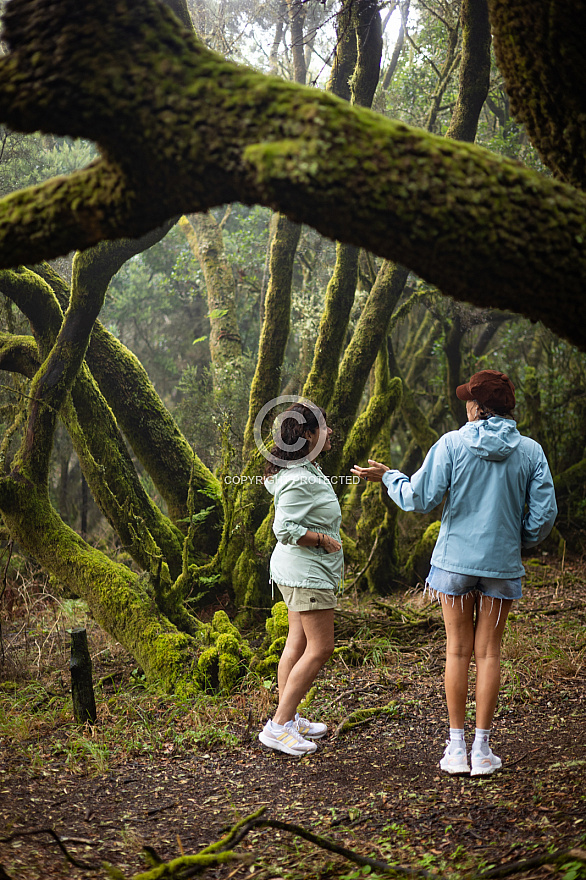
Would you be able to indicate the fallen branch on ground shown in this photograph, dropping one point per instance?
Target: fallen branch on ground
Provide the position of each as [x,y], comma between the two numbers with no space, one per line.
[58,840]
[560,856]
[222,852]
[362,716]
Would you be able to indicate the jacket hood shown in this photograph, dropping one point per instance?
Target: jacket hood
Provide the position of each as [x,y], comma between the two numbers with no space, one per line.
[493,439]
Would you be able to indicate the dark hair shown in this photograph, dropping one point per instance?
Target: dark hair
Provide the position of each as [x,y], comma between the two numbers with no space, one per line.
[290,431]
[485,412]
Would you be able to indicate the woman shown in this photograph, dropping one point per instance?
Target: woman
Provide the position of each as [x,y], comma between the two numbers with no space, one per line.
[500,498]
[306,565]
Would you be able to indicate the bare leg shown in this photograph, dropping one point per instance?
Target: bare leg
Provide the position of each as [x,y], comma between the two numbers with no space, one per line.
[294,648]
[487,654]
[318,627]
[459,623]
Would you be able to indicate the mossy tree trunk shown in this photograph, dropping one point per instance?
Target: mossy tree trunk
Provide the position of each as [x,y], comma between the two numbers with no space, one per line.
[124,604]
[377,527]
[205,238]
[360,355]
[539,50]
[354,77]
[98,443]
[118,393]
[147,425]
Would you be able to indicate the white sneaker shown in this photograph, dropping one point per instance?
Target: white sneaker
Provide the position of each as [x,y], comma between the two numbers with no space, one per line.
[455,761]
[310,729]
[482,765]
[285,738]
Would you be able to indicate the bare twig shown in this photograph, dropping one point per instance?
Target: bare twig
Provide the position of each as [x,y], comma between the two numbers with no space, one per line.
[368,561]
[561,855]
[161,809]
[58,840]
[330,846]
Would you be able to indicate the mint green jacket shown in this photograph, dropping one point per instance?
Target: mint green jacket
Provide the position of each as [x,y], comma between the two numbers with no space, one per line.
[304,501]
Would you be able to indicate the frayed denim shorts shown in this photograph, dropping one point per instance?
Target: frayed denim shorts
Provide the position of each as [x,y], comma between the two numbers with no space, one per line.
[451,583]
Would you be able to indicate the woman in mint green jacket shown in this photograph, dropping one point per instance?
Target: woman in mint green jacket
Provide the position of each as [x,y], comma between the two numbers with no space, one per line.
[306,565]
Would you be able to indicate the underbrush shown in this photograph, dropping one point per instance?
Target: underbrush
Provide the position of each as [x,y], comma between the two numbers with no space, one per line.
[396,639]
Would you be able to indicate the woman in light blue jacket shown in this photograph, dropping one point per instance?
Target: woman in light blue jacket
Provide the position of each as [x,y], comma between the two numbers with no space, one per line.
[499,498]
[306,565]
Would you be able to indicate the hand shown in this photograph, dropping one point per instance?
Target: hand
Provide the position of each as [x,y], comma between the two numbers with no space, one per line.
[374,473]
[330,545]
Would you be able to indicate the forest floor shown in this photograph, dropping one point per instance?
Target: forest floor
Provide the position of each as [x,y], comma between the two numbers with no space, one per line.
[175,777]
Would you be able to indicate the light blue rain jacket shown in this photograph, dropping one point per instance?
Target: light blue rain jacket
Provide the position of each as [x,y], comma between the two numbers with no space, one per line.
[500,497]
[304,500]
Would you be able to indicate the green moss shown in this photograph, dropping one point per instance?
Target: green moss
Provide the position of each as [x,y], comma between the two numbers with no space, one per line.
[221,624]
[230,672]
[208,669]
[417,567]
[308,699]
[277,646]
[277,625]
[227,643]
[268,665]
[222,665]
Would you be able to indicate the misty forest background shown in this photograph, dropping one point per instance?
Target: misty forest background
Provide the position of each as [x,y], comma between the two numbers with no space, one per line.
[213,314]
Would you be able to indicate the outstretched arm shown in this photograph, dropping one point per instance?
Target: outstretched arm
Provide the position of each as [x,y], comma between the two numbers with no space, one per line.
[374,473]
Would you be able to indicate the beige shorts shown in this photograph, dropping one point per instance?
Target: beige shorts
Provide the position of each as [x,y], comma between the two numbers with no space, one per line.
[307,599]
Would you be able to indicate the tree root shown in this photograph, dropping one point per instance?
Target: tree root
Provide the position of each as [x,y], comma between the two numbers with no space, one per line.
[222,852]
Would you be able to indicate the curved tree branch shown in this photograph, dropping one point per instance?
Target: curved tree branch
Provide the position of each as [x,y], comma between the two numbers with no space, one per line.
[444,209]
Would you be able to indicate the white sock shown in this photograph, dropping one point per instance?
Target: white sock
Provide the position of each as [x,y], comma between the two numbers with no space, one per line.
[481,740]
[456,740]
[274,724]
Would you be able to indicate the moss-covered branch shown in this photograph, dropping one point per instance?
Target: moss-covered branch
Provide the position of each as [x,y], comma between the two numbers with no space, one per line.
[19,354]
[144,93]
[540,51]
[101,450]
[151,430]
[146,423]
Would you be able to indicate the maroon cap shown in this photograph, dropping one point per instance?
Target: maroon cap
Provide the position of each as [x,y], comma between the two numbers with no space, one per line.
[489,387]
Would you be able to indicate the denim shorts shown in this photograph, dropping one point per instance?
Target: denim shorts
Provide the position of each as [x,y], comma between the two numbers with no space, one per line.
[451,583]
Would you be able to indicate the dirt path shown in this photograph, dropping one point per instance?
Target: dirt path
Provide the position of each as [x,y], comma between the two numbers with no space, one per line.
[376,790]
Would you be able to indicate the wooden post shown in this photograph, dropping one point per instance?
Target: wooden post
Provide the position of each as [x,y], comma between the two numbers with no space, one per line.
[82,689]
